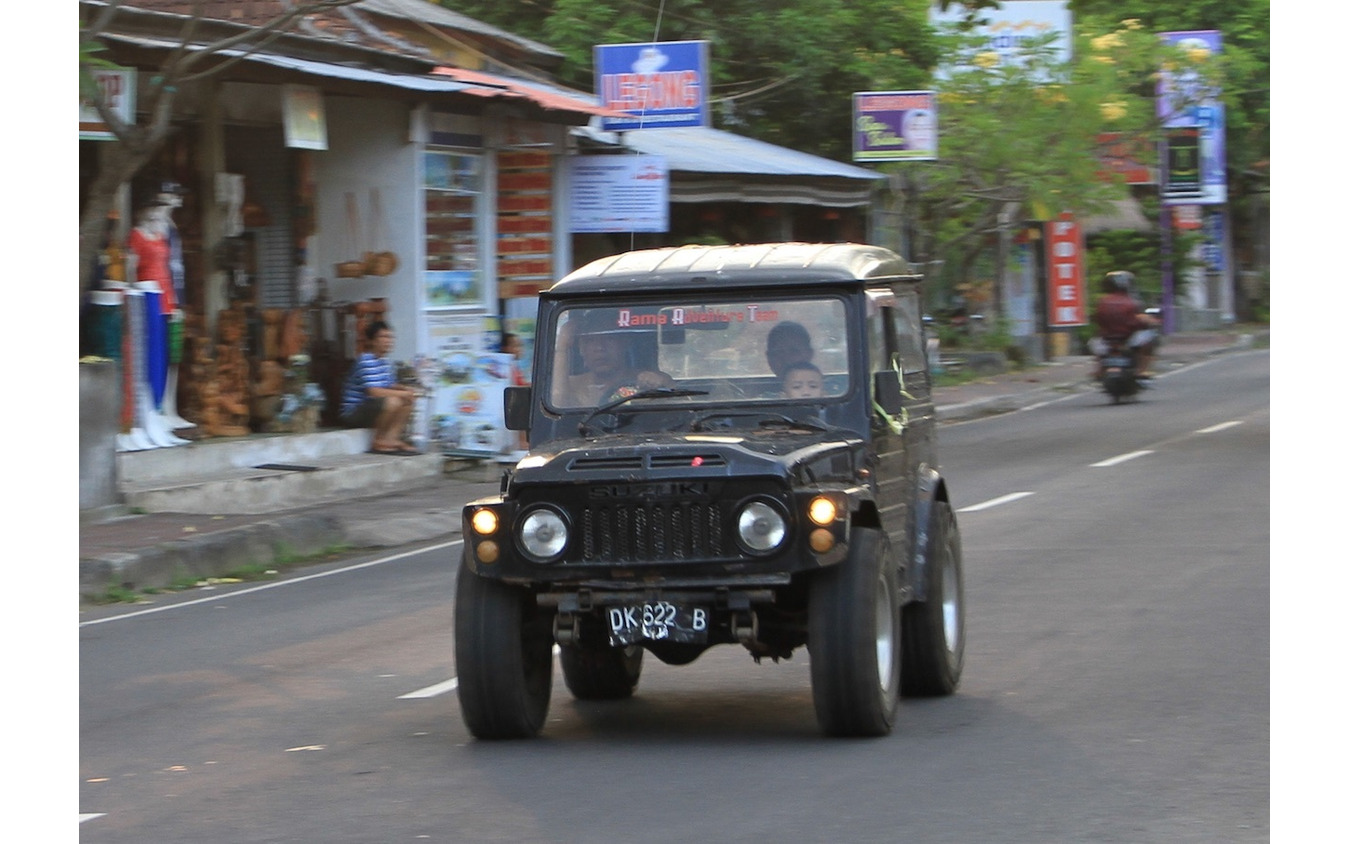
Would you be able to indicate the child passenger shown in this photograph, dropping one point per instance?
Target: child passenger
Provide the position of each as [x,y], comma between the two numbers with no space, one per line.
[803,381]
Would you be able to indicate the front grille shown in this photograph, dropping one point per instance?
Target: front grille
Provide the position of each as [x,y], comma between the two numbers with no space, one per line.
[654,532]
[656,461]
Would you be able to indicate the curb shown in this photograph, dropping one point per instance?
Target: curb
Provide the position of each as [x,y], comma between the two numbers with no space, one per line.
[998,405]
[259,545]
[212,555]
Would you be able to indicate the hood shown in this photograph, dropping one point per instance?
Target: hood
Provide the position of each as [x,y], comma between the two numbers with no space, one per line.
[828,455]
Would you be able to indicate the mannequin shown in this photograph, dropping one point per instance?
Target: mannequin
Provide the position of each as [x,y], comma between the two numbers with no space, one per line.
[171,195]
[150,314]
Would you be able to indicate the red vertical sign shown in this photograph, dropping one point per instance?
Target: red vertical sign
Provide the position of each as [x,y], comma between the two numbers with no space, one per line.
[1066,294]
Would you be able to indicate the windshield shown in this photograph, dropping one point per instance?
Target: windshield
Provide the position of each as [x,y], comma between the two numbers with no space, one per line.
[700,353]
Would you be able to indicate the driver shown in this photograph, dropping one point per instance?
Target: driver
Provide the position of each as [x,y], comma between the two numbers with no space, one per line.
[1119,319]
[608,372]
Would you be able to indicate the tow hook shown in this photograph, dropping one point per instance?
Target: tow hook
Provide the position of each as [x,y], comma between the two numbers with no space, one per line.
[745,627]
[566,628]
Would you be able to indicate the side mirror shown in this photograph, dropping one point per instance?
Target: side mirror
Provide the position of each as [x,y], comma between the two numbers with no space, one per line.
[886,388]
[516,403]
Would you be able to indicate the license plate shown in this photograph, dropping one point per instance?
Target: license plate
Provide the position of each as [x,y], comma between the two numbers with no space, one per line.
[1117,363]
[659,621]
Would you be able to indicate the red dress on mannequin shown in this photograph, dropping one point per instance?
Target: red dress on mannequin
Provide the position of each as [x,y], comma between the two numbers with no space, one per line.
[152,264]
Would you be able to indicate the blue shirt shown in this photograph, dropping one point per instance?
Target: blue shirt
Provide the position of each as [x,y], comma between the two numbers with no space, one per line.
[368,371]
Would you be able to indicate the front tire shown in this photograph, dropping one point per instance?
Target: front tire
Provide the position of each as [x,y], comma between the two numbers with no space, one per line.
[601,673]
[504,658]
[854,640]
[935,628]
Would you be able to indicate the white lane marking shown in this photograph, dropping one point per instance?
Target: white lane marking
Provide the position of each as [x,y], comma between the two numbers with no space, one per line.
[291,582]
[432,691]
[91,816]
[994,502]
[1222,426]
[1115,461]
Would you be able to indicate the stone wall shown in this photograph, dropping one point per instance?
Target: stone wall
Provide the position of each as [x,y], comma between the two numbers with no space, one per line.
[100,418]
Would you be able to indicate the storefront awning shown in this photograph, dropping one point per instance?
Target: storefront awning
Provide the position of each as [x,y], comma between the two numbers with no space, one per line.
[711,165]
[491,85]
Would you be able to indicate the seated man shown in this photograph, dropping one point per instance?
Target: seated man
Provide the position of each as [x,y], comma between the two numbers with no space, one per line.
[373,398]
[803,381]
[608,372]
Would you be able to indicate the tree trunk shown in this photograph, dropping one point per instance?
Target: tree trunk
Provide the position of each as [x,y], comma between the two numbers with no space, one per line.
[121,161]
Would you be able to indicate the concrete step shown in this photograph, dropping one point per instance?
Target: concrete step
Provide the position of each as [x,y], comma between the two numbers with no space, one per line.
[264,473]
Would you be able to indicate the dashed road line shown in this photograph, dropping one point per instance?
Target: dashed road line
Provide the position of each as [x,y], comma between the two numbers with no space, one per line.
[994,502]
[92,815]
[433,691]
[1222,426]
[1116,461]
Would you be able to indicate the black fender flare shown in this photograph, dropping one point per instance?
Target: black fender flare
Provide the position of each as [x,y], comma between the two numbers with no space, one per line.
[931,488]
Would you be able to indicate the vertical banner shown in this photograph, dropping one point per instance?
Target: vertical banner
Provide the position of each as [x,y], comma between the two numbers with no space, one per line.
[1194,152]
[524,222]
[1066,290]
[895,126]
[661,84]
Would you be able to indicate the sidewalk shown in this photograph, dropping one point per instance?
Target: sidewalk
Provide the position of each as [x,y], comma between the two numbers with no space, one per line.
[163,549]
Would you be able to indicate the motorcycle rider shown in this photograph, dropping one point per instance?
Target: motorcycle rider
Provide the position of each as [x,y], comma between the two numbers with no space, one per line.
[1121,320]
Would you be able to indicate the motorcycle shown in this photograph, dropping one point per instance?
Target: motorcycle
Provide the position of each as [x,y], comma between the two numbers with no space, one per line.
[1119,372]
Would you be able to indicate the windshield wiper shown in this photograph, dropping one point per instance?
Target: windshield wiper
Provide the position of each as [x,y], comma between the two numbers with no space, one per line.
[767,419]
[584,428]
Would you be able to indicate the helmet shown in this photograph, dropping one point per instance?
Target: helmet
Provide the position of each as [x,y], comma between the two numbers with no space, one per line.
[1119,281]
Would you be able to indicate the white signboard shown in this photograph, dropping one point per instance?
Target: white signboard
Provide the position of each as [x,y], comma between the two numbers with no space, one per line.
[306,127]
[119,92]
[618,193]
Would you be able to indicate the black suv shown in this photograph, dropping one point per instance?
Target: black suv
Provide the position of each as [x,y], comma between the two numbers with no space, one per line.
[728,445]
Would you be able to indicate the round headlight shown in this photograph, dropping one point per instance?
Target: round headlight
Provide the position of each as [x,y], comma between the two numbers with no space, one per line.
[543,534]
[484,522]
[761,527]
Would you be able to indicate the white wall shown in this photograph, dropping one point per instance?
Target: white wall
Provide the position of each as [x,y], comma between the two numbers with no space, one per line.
[369,148]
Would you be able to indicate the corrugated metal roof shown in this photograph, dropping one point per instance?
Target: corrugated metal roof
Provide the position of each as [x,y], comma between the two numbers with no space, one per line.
[338,24]
[474,83]
[410,81]
[430,13]
[706,150]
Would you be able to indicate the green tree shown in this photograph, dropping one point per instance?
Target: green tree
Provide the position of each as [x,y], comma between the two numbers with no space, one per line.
[1245,61]
[781,72]
[1021,139]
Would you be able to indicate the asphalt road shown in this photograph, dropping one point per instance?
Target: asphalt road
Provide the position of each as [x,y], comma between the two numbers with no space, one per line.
[1116,684]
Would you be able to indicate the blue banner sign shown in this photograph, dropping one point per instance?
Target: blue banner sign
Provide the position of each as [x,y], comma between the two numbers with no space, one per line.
[662,84]
[1185,103]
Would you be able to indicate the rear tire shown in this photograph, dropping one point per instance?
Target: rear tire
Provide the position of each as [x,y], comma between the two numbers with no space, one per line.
[601,673]
[935,628]
[503,656]
[854,640]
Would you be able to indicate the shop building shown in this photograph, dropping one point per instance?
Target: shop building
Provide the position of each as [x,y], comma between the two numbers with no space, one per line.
[397,160]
